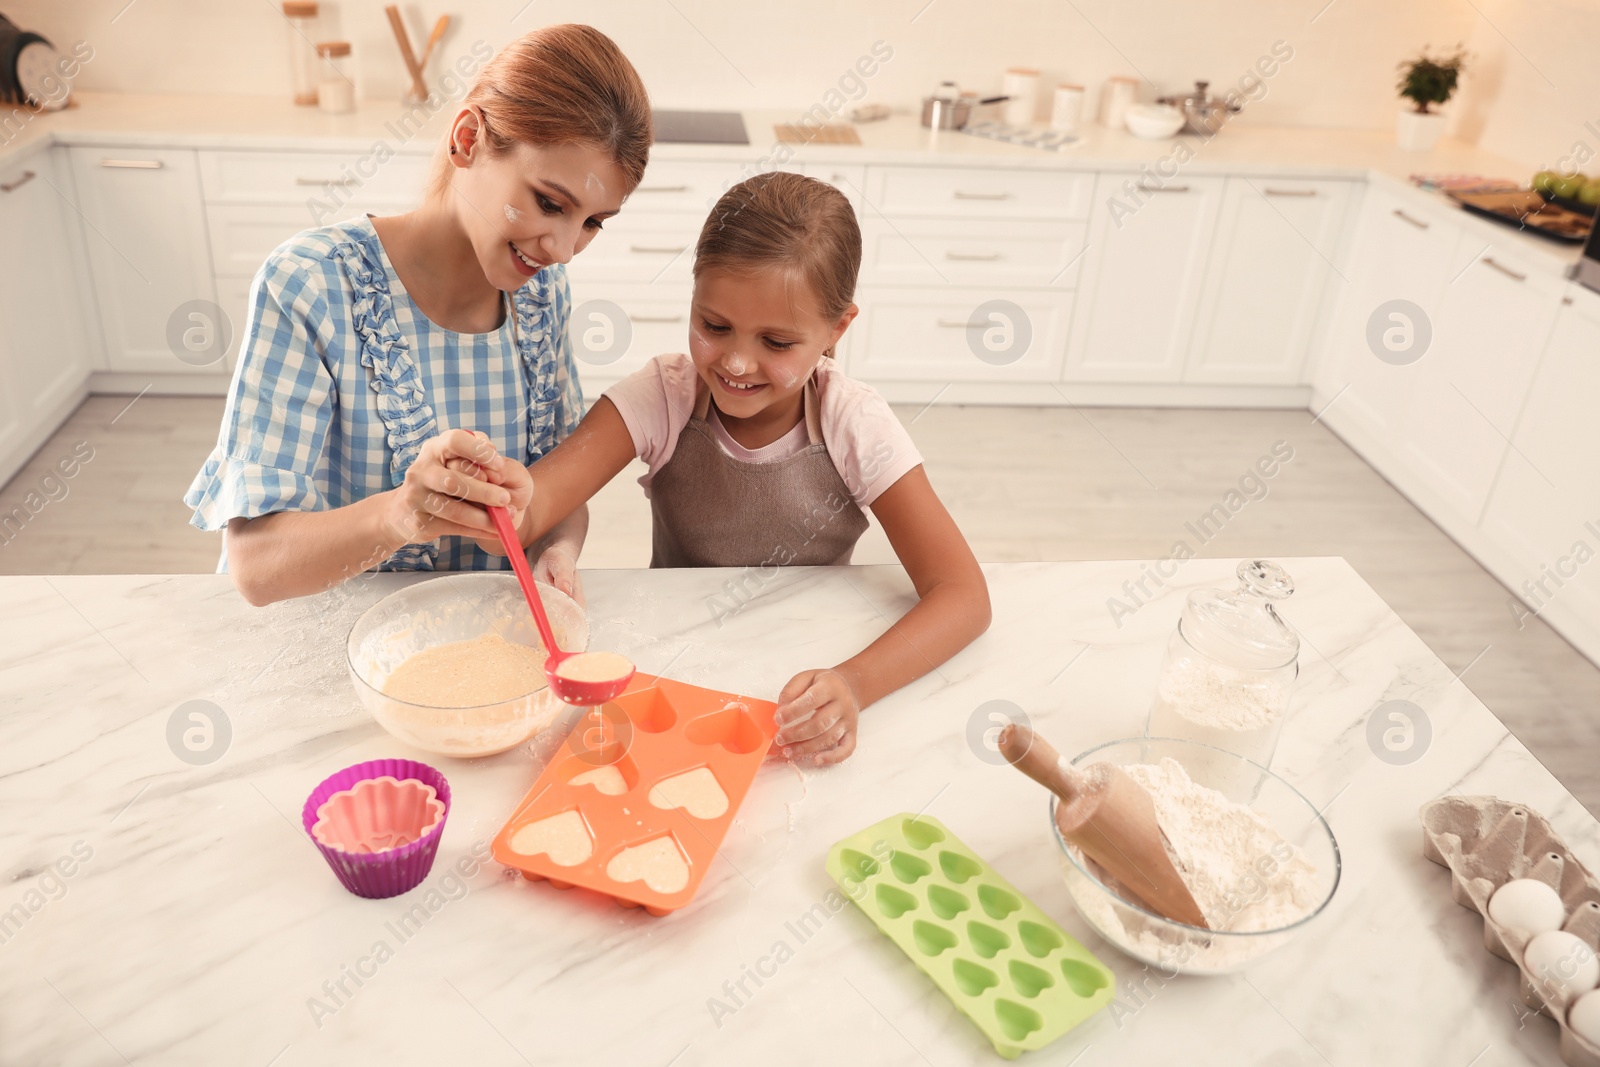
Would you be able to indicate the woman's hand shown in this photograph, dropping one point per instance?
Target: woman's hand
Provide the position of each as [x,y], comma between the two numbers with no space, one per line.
[817,715]
[446,489]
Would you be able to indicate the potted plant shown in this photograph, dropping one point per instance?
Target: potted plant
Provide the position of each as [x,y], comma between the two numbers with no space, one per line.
[1426,82]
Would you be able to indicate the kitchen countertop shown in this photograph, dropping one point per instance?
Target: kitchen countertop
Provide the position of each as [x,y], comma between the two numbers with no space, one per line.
[198,922]
[1242,148]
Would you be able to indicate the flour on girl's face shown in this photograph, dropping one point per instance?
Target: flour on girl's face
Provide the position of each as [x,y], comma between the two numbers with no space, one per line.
[512,214]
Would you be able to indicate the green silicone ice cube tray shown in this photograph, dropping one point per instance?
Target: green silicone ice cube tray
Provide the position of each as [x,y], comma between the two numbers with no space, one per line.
[1011,969]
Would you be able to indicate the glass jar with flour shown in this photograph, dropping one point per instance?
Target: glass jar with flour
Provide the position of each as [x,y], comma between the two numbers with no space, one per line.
[1230,666]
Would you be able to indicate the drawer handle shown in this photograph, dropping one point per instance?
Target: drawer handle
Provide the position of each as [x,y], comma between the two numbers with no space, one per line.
[657,318]
[666,250]
[1566,300]
[320,182]
[1503,269]
[661,189]
[962,194]
[1163,188]
[133,164]
[981,257]
[1418,223]
[1270,191]
[955,324]
[11,187]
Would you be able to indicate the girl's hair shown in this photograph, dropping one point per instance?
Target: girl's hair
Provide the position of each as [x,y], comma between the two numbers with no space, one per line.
[797,224]
[561,85]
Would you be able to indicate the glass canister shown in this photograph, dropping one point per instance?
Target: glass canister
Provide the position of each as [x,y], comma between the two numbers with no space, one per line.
[301,16]
[1230,667]
[336,91]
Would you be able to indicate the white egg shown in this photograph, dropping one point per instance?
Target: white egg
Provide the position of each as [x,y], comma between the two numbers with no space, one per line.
[1584,1018]
[1527,904]
[1562,964]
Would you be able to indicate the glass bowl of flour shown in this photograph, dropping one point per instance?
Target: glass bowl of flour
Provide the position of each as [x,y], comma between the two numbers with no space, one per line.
[1258,858]
[454,665]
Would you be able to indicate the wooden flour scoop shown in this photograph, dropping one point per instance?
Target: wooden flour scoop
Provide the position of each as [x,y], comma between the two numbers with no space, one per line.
[1111,818]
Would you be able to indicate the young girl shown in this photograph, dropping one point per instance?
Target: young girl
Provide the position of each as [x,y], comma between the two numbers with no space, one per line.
[762,453]
[379,351]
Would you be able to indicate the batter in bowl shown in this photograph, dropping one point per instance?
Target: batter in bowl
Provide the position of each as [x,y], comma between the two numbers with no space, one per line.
[467,674]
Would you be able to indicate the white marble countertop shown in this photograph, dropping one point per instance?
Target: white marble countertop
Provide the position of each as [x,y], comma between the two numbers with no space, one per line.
[1243,148]
[162,912]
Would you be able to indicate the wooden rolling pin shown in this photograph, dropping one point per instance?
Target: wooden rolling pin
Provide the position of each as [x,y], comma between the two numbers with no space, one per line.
[1111,818]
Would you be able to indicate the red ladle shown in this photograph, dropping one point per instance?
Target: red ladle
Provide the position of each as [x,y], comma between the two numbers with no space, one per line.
[583,692]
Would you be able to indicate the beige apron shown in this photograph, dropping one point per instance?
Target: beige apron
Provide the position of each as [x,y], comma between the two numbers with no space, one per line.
[709,509]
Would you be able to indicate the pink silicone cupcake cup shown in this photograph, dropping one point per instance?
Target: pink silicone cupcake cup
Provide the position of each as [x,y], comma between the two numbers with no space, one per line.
[378,814]
[394,870]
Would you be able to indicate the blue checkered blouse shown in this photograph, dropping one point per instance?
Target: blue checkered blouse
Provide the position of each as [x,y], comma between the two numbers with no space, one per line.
[341,379]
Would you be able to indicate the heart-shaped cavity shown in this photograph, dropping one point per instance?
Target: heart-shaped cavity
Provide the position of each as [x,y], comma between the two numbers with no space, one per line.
[986,940]
[974,978]
[1083,979]
[698,792]
[658,863]
[895,902]
[946,902]
[997,903]
[648,709]
[921,833]
[958,868]
[1028,979]
[734,728]
[931,938]
[1040,941]
[564,837]
[378,814]
[908,868]
[858,865]
[1016,1021]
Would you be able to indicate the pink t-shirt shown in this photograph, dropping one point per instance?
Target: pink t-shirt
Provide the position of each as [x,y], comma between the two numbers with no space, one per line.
[868,446]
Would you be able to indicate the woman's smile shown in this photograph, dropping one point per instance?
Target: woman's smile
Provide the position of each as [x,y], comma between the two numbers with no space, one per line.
[526,266]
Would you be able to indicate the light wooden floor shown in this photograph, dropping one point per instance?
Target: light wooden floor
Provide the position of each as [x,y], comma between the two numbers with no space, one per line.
[1024,483]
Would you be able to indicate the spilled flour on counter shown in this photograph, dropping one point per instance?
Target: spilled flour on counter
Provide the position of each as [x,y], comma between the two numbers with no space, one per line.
[1218,697]
[1242,873]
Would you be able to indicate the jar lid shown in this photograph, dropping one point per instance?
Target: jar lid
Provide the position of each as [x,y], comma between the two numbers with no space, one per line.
[300,9]
[333,49]
[1240,627]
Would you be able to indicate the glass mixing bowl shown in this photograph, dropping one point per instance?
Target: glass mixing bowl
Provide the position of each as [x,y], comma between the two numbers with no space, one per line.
[1176,947]
[459,607]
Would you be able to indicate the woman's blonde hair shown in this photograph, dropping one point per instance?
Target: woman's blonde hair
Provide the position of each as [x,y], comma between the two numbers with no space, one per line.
[796,224]
[561,85]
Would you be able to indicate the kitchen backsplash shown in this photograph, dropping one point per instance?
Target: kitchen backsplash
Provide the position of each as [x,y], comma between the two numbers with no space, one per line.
[1525,98]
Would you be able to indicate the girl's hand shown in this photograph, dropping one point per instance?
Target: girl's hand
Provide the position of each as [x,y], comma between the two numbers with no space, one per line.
[446,489]
[816,716]
[557,566]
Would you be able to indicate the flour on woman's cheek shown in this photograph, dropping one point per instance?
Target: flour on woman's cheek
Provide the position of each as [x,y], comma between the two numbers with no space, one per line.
[512,214]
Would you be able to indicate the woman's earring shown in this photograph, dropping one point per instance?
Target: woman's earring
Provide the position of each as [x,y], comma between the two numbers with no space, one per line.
[452,150]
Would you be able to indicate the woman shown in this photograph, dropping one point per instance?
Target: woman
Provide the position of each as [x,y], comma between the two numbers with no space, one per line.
[398,373]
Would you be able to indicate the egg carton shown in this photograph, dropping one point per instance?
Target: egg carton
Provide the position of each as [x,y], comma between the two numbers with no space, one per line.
[1486,842]
[1021,978]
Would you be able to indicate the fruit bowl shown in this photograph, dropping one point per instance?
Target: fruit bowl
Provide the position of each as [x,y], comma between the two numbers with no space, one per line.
[1179,947]
[458,607]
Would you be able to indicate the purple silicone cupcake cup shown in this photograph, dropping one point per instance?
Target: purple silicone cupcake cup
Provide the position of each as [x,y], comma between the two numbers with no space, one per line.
[393,871]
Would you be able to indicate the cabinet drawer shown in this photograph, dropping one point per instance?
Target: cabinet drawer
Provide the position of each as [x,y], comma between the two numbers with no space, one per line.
[242,235]
[984,193]
[333,179]
[642,247]
[964,252]
[616,329]
[691,188]
[914,335]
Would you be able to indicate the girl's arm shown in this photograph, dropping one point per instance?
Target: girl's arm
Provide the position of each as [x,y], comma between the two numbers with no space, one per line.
[577,469]
[819,708]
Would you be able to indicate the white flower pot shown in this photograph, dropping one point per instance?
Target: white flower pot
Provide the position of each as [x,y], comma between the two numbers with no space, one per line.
[1418,132]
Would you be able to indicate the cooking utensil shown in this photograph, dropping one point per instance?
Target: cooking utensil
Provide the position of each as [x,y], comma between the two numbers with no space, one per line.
[1205,113]
[439,29]
[1110,817]
[575,691]
[403,39]
[939,113]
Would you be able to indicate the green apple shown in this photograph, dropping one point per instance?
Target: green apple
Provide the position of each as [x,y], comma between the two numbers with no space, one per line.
[1567,185]
[1544,180]
[1590,193]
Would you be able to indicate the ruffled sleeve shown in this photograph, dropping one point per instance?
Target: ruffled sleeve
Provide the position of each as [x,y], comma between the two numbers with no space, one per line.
[275,424]
[555,396]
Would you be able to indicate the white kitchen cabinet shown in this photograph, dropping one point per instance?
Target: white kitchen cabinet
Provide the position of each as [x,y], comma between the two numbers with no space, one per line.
[44,361]
[1492,323]
[971,252]
[1142,278]
[1546,501]
[146,237]
[1402,254]
[975,335]
[654,319]
[1276,245]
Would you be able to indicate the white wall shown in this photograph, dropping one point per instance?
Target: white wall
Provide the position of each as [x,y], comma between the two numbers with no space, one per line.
[735,53]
